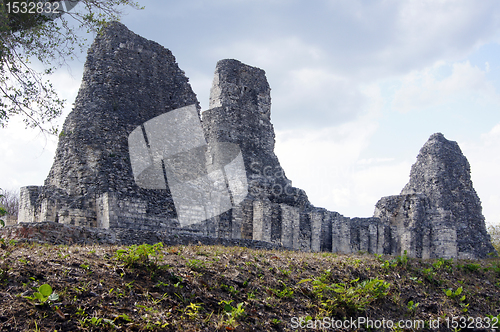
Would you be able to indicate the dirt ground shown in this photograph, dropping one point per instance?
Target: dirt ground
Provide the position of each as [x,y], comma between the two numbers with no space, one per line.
[215,288]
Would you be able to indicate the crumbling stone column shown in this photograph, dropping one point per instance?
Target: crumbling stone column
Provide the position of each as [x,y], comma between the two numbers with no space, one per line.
[316,226]
[262,220]
[341,234]
[290,226]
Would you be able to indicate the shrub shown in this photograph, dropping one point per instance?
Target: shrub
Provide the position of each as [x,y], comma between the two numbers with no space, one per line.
[349,297]
[140,255]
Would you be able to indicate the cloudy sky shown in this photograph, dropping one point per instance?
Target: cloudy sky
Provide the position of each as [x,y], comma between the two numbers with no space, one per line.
[357,88]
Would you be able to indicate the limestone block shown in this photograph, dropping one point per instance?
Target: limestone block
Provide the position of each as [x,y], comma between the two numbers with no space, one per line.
[374,238]
[290,226]
[107,209]
[27,203]
[243,215]
[341,234]
[316,225]
[276,223]
[305,231]
[326,232]
[444,242]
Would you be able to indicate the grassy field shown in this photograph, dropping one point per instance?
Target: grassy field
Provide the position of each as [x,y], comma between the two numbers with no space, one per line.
[213,288]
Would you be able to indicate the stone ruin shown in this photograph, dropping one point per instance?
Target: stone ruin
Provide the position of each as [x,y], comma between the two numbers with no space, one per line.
[130,84]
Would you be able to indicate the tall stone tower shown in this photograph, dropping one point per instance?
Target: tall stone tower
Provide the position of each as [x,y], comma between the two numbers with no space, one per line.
[127,80]
[438,213]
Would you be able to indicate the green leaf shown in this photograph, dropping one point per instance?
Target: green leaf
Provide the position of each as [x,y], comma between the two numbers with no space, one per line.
[458,291]
[304,280]
[45,290]
[448,292]
[40,297]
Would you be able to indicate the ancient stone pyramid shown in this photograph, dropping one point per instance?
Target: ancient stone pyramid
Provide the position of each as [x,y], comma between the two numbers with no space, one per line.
[127,80]
[135,154]
[442,173]
[438,213]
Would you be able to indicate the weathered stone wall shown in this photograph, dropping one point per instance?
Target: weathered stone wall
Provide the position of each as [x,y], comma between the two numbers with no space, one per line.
[129,80]
[56,233]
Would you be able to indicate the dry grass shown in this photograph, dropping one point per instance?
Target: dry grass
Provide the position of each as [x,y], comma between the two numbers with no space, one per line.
[214,288]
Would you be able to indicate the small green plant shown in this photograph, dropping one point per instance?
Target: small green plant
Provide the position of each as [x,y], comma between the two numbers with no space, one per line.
[429,275]
[251,295]
[471,267]
[442,263]
[412,306]
[285,292]
[494,319]
[495,267]
[140,255]
[276,321]
[43,295]
[349,297]
[389,264]
[416,280]
[196,264]
[399,260]
[96,322]
[192,310]
[437,264]
[230,289]
[450,293]
[156,301]
[285,272]
[124,317]
[62,256]
[403,259]
[232,313]
[456,295]
[81,312]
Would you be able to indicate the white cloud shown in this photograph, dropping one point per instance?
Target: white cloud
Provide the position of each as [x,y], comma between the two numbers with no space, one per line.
[492,138]
[378,179]
[314,96]
[321,161]
[200,83]
[304,91]
[484,158]
[329,164]
[423,88]
[273,54]
[430,31]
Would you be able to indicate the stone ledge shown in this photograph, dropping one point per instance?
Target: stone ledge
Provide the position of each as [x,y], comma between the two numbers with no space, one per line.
[55,233]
